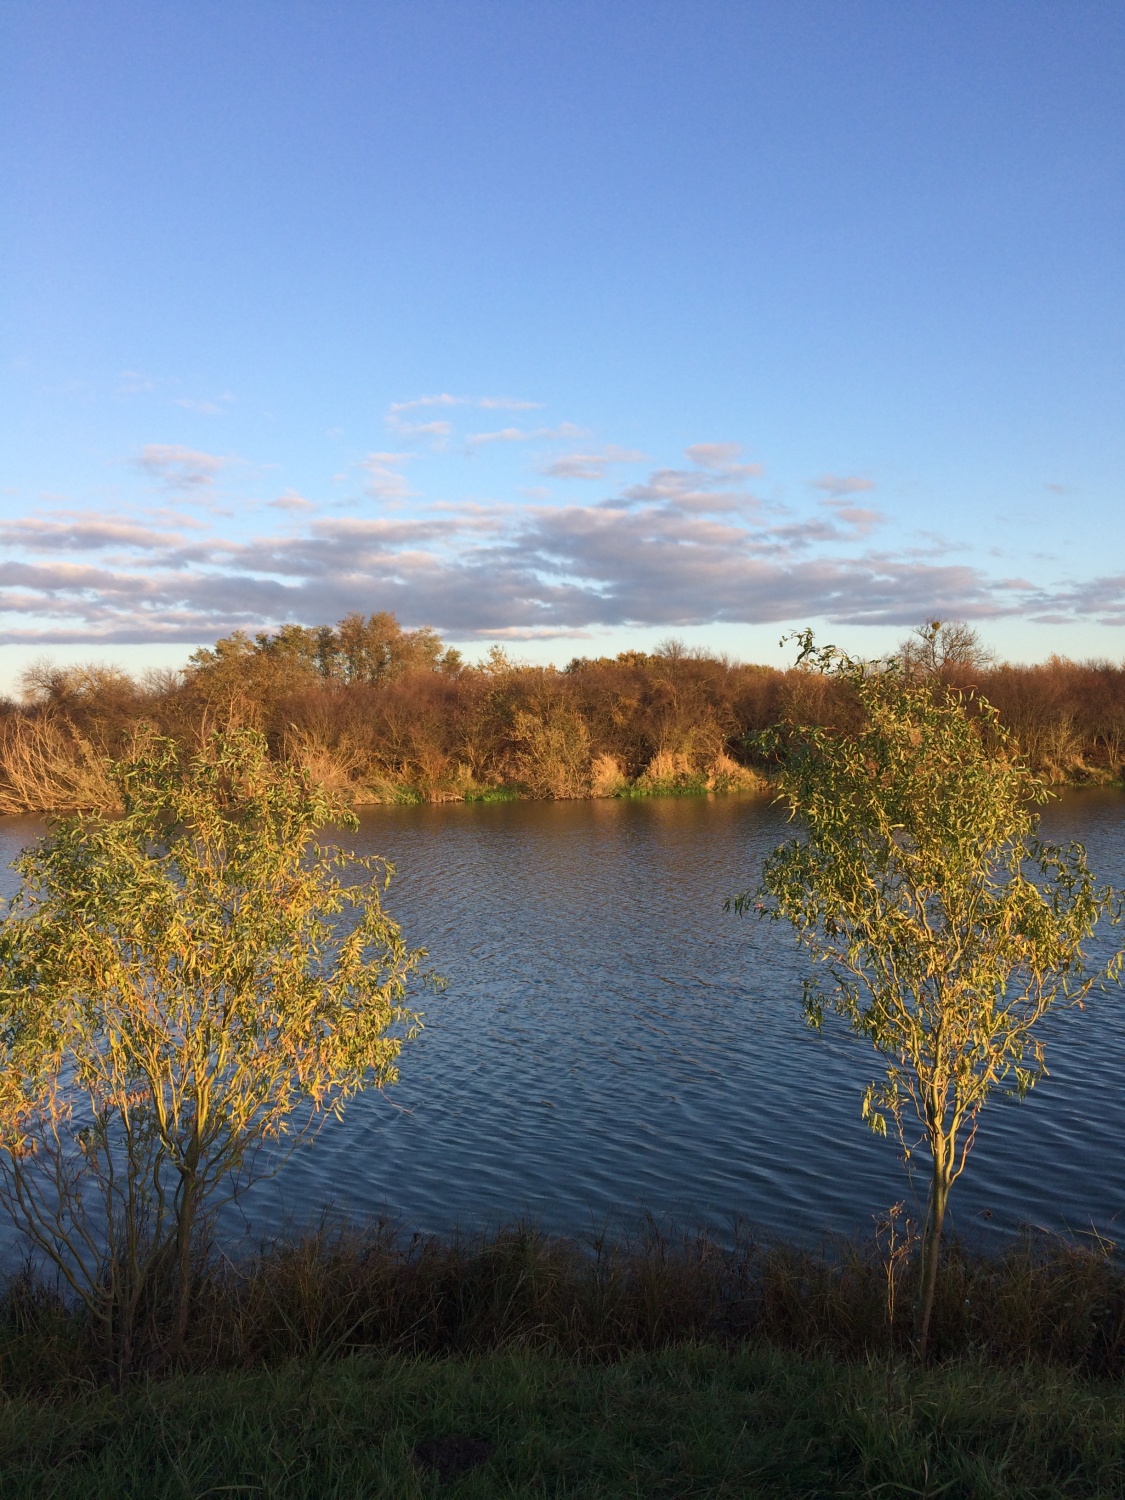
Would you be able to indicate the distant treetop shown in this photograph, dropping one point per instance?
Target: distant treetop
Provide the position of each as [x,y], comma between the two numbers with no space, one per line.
[359,649]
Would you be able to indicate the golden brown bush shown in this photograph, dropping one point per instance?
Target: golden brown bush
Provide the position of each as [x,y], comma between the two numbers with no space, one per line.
[47,764]
[390,714]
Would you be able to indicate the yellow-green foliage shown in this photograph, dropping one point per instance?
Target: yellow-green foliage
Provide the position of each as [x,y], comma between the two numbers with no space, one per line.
[179,987]
[942,928]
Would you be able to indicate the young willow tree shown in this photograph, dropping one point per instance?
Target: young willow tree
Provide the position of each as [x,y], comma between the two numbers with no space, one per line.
[181,987]
[942,927]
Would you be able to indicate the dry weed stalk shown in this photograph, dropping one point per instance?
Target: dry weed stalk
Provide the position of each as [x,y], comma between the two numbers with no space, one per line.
[726,775]
[606,777]
[554,754]
[334,766]
[667,770]
[47,765]
[897,1238]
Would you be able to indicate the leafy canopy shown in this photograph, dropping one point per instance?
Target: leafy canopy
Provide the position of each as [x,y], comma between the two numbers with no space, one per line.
[942,926]
[179,986]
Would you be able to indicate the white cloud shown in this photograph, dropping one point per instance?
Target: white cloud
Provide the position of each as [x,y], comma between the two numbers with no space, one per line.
[686,547]
[683,546]
[384,482]
[524,435]
[397,412]
[722,459]
[134,383]
[181,468]
[291,501]
[397,408]
[204,407]
[589,465]
[81,531]
[842,484]
[1101,599]
[486,403]
[436,430]
[711,490]
[861,518]
[505,435]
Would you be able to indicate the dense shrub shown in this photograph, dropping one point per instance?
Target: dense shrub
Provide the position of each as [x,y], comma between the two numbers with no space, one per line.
[383,714]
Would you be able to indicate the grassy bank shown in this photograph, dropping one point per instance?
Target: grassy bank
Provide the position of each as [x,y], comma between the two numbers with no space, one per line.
[344,1292]
[685,1421]
[350,1363]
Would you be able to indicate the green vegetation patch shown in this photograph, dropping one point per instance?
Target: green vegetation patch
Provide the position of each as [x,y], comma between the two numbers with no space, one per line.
[688,1421]
[643,788]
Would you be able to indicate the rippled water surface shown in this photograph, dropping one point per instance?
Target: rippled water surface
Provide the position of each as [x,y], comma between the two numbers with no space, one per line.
[611,1042]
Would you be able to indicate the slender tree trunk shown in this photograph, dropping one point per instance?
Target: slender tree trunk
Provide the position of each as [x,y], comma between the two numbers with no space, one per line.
[931,1250]
[184,1227]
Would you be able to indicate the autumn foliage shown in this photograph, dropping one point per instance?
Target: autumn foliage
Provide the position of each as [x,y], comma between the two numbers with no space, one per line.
[378,713]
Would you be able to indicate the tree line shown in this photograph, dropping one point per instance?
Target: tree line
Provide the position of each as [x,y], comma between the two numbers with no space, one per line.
[379,713]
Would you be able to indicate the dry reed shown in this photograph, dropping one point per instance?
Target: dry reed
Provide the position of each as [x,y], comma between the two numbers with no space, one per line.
[341,1291]
[662,723]
[46,764]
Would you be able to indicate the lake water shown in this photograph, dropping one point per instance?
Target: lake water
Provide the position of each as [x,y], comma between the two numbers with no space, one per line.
[613,1043]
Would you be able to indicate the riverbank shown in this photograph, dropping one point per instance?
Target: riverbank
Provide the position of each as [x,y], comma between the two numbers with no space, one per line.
[690,1420]
[382,715]
[343,1292]
[370,1363]
[666,775]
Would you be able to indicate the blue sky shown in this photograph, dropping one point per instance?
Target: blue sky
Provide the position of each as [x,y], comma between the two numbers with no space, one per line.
[570,326]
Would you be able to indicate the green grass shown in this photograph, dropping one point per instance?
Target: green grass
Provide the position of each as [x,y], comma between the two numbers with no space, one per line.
[663,1367]
[696,788]
[687,1421]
